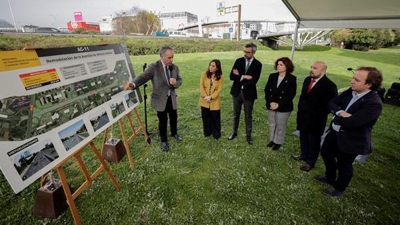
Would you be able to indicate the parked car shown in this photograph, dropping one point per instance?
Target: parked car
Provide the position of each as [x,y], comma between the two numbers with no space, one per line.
[176,33]
[160,34]
[64,30]
[47,30]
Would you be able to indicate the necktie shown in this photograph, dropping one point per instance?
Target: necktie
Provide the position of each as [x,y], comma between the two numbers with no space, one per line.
[247,65]
[167,73]
[310,85]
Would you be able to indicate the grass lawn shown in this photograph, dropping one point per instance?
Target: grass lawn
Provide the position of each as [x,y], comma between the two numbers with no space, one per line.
[205,181]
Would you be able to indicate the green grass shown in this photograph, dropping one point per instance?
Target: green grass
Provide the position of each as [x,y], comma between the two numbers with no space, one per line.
[204,181]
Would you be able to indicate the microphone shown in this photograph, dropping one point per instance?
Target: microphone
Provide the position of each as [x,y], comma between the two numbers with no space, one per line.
[170,68]
[144,67]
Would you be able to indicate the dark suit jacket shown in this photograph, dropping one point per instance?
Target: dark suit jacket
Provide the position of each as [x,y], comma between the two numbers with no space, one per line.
[159,96]
[354,136]
[313,107]
[249,86]
[283,94]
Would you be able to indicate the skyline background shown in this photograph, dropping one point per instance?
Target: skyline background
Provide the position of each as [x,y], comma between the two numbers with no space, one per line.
[58,13]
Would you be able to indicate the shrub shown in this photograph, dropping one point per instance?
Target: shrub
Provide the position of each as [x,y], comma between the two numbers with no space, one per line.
[136,46]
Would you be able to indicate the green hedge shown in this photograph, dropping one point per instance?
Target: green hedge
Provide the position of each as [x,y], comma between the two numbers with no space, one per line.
[136,46]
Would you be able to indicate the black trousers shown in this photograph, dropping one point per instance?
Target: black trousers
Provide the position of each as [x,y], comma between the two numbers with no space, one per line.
[211,122]
[338,164]
[163,121]
[248,112]
[310,144]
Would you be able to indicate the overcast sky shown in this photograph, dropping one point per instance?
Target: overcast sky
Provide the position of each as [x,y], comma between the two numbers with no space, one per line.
[57,13]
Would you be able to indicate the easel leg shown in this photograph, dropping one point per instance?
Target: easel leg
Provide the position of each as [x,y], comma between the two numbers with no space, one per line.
[68,195]
[148,140]
[128,151]
[104,165]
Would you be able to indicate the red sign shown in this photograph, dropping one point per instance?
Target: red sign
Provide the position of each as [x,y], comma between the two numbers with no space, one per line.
[73,25]
[78,16]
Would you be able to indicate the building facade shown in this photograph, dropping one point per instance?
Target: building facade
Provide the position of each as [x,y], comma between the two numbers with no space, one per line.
[177,20]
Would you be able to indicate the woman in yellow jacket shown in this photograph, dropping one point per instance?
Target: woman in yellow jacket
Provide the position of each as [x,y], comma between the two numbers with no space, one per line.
[210,88]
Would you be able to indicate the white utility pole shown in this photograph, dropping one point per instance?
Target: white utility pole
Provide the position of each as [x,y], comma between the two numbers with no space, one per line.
[12,15]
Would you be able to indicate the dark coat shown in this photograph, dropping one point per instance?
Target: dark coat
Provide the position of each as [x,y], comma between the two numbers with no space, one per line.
[354,136]
[249,86]
[283,94]
[313,107]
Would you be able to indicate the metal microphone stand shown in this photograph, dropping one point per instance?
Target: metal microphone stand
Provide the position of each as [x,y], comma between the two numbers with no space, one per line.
[145,105]
[145,108]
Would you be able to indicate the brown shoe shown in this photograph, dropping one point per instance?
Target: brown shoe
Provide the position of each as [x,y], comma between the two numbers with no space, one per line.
[306,167]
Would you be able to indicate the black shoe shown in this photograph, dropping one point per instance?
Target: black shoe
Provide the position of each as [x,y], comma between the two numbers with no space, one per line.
[306,167]
[177,137]
[322,179]
[249,140]
[276,147]
[270,144]
[164,146]
[298,158]
[232,136]
[332,192]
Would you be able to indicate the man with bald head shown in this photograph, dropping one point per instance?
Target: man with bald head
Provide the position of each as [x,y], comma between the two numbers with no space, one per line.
[312,113]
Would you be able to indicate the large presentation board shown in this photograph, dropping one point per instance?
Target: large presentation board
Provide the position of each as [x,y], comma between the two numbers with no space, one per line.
[54,101]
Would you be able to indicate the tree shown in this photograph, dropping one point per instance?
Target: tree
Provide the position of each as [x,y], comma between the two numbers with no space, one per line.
[363,39]
[384,38]
[136,21]
[149,22]
[396,40]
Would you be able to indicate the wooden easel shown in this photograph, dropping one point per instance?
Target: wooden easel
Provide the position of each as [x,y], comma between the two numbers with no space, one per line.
[103,166]
[135,132]
[88,177]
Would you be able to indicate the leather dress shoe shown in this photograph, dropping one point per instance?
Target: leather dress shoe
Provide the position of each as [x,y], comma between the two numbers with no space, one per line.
[270,144]
[306,167]
[249,140]
[232,136]
[322,179]
[164,146]
[276,147]
[332,192]
[298,158]
[177,137]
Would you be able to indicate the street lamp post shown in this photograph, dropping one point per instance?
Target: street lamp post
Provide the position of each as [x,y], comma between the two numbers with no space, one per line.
[12,15]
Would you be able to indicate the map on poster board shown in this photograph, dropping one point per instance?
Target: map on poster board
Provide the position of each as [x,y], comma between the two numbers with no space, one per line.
[55,101]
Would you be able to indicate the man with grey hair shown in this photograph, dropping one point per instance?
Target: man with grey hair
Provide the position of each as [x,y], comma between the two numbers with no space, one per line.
[245,74]
[165,77]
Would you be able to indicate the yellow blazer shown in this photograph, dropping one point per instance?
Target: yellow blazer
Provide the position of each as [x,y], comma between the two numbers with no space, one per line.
[216,88]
